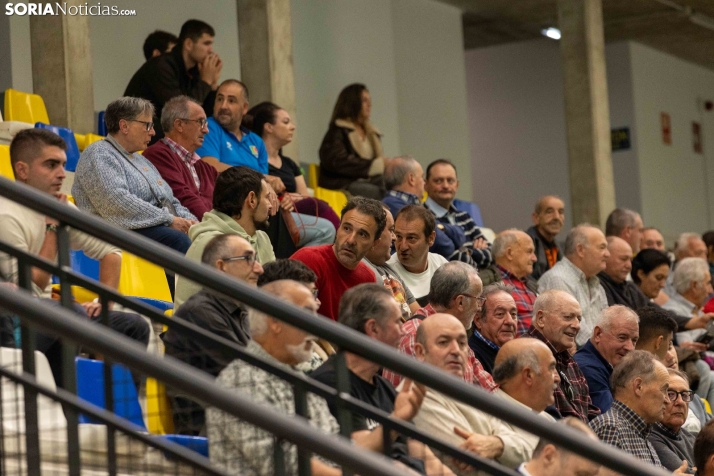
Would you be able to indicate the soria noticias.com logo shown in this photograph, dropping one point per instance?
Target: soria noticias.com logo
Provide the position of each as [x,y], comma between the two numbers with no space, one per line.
[57,8]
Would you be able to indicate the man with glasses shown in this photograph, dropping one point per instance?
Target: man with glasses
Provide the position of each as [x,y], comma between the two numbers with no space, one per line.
[675,445]
[614,336]
[224,317]
[441,186]
[456,290]
[191,179]
[640,385]
[556,322]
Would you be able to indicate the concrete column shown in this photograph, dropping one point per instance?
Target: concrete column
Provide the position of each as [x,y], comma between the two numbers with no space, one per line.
[62,68]
[587,114]
[266,56]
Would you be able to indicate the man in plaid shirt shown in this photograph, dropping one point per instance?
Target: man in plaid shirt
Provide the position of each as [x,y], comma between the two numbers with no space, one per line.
[456,290]
[640,383]
[556,322]
[514,254]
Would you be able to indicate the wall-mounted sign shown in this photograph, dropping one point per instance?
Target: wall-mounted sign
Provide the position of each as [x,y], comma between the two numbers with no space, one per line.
[697,137]
[666,123]
[620,138]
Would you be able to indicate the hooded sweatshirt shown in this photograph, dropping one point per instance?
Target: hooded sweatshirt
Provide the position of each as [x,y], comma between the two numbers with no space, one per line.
[215,223]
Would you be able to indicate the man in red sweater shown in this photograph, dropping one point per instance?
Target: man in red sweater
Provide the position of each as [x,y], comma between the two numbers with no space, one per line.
[191,179]
[339,266]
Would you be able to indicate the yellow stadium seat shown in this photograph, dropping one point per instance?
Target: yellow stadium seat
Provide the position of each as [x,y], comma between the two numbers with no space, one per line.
[80,138]
[335,198]
[144,280]
[89,139]
[5,165]
[313,172]
[25,107]
[707,407]
[159,415]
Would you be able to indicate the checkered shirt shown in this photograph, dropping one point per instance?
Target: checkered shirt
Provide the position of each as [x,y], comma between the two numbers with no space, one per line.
[473,373]
[524,297]
[572,396]
[482,258]
[188,158]
[623,428]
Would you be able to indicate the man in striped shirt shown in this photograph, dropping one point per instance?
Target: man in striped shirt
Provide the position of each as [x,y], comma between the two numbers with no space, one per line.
[441,186]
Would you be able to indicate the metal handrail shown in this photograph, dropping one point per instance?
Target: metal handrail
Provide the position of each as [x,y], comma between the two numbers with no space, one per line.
[343,337]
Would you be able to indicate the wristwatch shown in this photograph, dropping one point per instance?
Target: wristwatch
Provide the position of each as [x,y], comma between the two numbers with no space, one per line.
[50,227]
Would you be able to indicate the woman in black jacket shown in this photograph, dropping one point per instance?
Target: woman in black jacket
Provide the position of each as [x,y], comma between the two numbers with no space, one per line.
[351,152]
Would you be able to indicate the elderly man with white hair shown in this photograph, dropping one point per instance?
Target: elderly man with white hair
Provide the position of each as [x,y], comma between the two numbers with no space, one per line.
[626,224]
[691,282]
[614,336]
[586,254]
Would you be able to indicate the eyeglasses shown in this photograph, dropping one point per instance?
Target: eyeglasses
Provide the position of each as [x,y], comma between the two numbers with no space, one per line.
[686,395]
[201,122]
[479,299]
[249,259]
[147,125]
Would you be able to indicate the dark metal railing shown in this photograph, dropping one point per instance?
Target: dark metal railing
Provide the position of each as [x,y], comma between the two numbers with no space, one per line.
[344,338]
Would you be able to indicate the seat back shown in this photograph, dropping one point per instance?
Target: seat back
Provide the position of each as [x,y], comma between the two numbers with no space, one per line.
[90,139]
[90,387]
[101,125]
[25,107]
[313,171]
[335,198]
[69,138]
[159,415]
[144,280]
[5,165]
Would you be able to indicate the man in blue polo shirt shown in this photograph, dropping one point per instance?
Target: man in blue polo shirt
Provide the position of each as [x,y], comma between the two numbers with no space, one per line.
[227,144]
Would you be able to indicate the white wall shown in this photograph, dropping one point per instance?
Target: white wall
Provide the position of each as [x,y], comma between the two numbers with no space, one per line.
[409,54]
[117,41]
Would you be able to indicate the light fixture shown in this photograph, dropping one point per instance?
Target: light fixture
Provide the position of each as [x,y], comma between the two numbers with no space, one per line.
[552,33]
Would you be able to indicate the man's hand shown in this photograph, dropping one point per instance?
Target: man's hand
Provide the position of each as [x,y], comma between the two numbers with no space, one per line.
[409,400]
[486,446]
[286,203]
[696,346]
[699,322]
[276,183]
[210,69]
[683,468]
[273,198]
[94,308]
[480,244]
[181,224]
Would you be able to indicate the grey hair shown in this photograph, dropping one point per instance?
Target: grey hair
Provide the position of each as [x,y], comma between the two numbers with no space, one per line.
[618,312]
[546,300]
[680,374]
[619,219]
[362,303]
[450,280]
[683,241]
[503,241]
[497,287]
[577,236]
[638,363]
[217,248]
[175,108]
[127,108]
[397,170]
[688,271]
[257,322]
[515,364]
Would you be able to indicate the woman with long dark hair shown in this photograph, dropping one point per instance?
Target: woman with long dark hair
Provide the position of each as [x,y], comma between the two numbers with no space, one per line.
[274,125]
[351,156]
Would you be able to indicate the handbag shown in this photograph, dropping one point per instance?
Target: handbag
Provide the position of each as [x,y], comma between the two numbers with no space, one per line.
[292,227]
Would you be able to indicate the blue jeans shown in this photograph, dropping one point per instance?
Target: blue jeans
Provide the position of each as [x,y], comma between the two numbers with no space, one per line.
[314,231]
[174,239]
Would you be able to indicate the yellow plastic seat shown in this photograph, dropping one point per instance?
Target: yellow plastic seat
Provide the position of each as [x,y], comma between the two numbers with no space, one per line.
[335,198]
[313,171]
[5,165]
[142,279]
[25,107]
[159,414]
[89,139]
[80,138]
[707,406]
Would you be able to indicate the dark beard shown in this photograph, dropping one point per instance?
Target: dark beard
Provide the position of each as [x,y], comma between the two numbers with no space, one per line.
[261,225]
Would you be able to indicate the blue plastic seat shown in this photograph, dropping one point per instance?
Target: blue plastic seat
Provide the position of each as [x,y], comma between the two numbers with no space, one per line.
[101,125]
[72,147]
[199,444]
[90,387]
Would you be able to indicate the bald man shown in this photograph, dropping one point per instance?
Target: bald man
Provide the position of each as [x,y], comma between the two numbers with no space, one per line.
[525,367]
[548,220]
[618,289]
[514,254]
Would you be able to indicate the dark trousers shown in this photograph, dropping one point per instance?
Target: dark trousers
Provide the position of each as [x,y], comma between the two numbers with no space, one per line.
[174,239]
[131,325]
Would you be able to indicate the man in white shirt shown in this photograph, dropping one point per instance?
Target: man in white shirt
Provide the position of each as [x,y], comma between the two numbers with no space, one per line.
[414,228]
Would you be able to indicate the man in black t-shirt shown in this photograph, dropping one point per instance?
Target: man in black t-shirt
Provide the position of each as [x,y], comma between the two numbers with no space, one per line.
[372,310]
